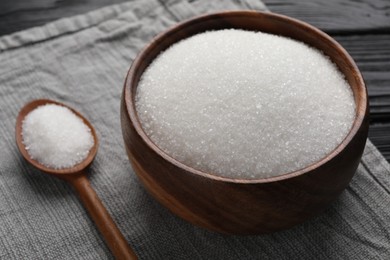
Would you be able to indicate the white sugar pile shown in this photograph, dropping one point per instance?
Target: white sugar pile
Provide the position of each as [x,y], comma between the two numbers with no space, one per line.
[56,137]
[244,105]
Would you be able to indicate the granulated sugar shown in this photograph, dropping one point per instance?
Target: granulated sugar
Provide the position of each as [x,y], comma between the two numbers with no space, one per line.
[244,105]
[56,137]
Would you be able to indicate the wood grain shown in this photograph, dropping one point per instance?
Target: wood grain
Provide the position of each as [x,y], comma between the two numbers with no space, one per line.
[17,15]
[380,135]
[234,205]
[372,55]
[337,16]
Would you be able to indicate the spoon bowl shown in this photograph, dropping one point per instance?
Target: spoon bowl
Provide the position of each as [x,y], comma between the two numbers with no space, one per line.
[58,172]
[77,177]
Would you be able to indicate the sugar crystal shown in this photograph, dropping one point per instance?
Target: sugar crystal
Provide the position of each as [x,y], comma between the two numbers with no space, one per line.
[56,137]
[244,104]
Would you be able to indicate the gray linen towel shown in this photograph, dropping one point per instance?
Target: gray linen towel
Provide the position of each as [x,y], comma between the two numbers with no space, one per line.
[82,61]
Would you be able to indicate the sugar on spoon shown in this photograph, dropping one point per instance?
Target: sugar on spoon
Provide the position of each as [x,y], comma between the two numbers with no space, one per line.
[76,176]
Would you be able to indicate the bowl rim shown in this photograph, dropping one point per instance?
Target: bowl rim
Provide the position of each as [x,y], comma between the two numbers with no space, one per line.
[132,114]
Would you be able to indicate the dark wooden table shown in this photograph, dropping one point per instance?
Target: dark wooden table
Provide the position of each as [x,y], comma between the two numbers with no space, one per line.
[361,26]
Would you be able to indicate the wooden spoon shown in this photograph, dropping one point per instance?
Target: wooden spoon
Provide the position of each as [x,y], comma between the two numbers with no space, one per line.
[76,176]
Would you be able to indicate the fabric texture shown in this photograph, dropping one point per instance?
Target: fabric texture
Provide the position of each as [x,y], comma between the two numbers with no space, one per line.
[82,61]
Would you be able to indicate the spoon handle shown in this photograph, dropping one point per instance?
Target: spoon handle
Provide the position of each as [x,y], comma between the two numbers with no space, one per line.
[99,214]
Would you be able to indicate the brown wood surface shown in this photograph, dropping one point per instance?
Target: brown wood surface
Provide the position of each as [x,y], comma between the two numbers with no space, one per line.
[235,205]
[76,176]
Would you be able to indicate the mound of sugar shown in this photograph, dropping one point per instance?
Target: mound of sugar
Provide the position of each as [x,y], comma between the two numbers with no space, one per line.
[56,137]
[244,104]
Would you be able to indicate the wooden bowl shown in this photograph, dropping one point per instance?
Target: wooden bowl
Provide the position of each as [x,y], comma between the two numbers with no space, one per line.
[237,206]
